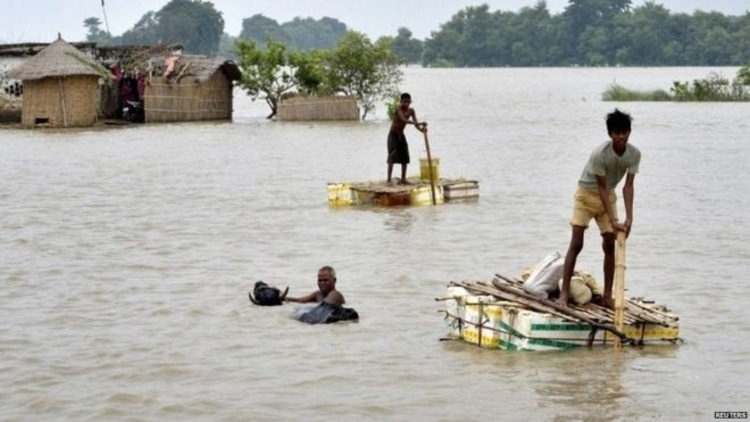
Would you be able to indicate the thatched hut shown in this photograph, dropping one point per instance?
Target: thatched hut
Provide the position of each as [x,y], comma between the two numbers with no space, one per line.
[194,88]
[60,87]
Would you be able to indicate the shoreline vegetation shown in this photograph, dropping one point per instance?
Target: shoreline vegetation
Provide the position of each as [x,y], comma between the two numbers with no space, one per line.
[714,87]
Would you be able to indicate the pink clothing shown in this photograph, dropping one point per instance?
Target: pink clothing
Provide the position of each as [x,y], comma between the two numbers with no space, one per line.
[170,62]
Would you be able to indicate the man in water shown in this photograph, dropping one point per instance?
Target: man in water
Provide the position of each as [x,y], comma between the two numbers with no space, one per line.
[326,289]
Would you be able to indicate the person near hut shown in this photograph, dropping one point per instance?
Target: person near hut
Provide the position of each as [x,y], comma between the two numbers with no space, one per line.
[595,198]
[398,148]
[169,65]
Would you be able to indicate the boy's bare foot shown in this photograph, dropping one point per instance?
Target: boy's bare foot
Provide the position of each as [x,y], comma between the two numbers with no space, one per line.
[405,182]
[603,302]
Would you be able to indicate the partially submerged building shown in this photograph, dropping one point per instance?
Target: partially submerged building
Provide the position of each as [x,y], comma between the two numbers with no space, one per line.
[309,108]
[191,88]
[61,87]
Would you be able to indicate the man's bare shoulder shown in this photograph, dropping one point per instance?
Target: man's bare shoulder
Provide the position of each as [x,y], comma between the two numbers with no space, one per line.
[335,297]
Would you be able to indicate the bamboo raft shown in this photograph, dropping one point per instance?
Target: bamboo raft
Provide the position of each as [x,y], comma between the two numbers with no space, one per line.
[418,192]
[500,314]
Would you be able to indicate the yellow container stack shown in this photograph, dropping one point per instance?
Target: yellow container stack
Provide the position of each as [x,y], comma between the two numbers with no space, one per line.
[424,169]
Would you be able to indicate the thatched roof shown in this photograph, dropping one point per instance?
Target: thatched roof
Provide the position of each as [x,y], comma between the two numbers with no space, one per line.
[203,67]
[58,59]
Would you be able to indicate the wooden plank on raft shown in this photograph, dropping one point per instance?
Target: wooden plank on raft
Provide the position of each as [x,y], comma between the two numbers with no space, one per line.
[599,313]
[666,317]
[635,312]
[574,312]
[487,290]
[543,305]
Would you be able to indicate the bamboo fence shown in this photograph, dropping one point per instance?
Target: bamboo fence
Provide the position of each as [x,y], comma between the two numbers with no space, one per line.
[318,108]
[187,99]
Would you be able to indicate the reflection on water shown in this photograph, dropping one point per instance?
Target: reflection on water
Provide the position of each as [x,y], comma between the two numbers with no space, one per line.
[128,254]
[589,383]
[399,219]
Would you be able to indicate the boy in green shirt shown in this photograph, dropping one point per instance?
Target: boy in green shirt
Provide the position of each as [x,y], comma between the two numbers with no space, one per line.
[595,198]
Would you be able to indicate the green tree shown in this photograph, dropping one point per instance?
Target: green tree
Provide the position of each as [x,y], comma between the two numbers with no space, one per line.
[442,49]
[743,76]
[259,28]
[709,41]
[535,35]
[741,39]
[299,34]
[592,17]
[368,71]
[144,32]
[226,47]
[94,32]
[718,47]
[195,24]
[311,71]
[478,33]
[406,47]
[306,34]
[266,73]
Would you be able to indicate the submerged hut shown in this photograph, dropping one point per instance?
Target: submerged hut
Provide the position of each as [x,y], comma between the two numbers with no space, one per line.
[60,87]
[191,88]
[303,108]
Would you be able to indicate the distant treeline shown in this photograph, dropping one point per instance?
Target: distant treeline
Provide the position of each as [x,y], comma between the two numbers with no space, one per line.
[586,33]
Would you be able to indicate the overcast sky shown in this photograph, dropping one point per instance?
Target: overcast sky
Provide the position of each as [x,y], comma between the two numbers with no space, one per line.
[41,20]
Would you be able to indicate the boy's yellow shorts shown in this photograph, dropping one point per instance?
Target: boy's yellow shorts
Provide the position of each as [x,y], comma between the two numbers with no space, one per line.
[588,205]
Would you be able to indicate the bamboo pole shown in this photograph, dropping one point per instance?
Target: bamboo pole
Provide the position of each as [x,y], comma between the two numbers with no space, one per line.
[619,285]
[106,22]
[62,101]
[429,164]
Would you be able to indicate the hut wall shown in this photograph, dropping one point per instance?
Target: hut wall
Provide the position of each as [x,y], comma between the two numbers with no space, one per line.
[318,108]
[188,99]
[61,102]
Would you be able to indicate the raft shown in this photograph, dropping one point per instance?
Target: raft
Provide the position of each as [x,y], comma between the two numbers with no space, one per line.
[417,192]
[499,314]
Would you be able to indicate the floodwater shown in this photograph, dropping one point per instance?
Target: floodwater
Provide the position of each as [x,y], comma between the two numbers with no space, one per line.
[128,253]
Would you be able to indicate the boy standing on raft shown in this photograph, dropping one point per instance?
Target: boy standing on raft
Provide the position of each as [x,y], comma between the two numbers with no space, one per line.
[398,148]
[596,198]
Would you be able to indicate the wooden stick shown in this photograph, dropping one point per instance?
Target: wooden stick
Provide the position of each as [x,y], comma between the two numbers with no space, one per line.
[62,101]
[489,290]
[666,315]
[634,312]
[510,280]
[537,303]
[619,285]
[644,315]
[595,312]
[576,313]
[429,164]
